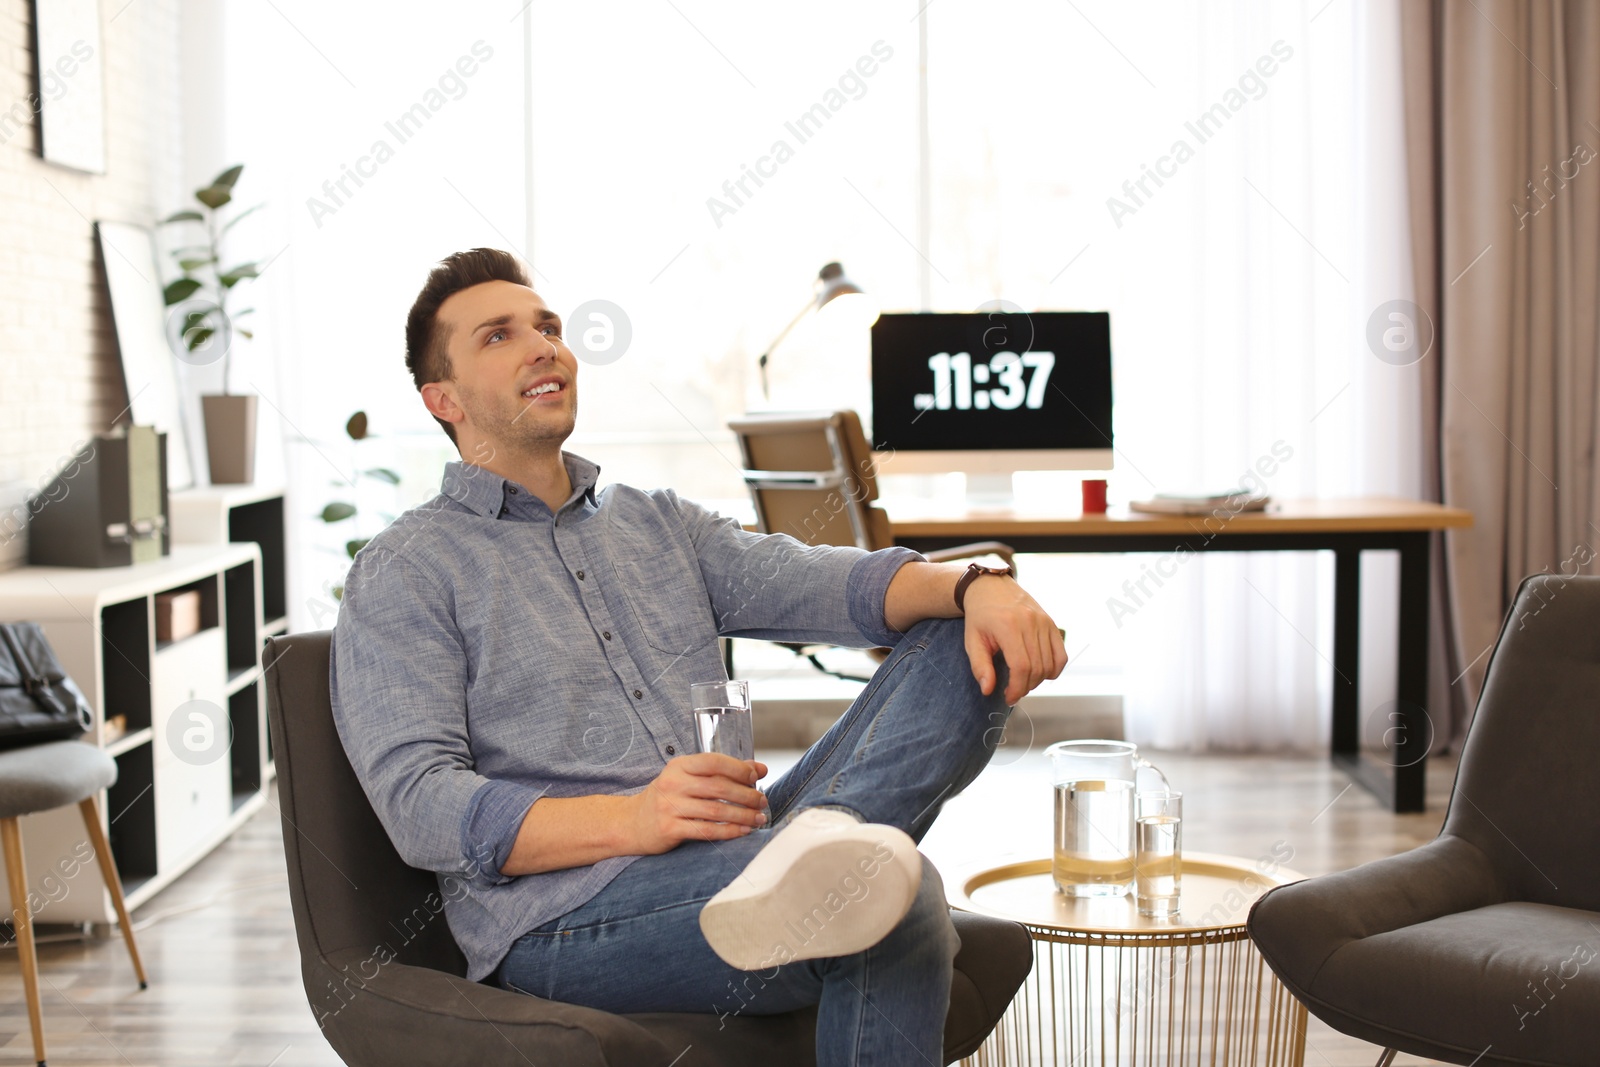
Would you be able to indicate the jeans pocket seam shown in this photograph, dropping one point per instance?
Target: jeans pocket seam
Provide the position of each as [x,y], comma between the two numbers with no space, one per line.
[515,988]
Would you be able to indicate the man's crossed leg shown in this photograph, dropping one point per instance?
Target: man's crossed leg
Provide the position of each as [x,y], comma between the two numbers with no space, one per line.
[917,735]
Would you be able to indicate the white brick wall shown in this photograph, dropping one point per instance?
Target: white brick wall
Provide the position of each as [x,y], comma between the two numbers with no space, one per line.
[60,381]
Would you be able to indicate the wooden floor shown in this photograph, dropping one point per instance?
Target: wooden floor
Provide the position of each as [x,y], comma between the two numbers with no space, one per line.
[224,970]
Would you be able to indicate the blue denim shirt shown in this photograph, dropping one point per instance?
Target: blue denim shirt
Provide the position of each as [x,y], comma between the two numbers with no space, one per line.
[488,653]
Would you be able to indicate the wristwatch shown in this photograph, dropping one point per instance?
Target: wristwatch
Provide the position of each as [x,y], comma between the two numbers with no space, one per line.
[974,572]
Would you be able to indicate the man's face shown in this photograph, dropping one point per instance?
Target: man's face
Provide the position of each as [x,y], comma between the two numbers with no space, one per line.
[504,344]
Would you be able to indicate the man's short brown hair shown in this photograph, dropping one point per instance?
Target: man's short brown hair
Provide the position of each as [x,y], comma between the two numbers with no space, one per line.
[427,342]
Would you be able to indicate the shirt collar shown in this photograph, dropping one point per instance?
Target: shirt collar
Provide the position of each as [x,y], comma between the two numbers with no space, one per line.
[484,491]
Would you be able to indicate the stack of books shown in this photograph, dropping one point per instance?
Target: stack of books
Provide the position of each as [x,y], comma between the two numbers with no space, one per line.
[1230,501]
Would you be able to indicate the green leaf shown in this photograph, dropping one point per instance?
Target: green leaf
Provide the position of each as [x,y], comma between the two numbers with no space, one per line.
[357,426]
[238,274]
[338,593]
[194,264]
[226,179]
[242,314]
[199,337]
[247,335]
[184,216]
[230,223]
[383,474]
[352,547]
[213,196]
[181,290]
[338,511]
[191,248]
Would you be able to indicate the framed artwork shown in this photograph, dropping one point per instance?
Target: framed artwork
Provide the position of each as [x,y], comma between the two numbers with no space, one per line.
[70,88]
[139,313]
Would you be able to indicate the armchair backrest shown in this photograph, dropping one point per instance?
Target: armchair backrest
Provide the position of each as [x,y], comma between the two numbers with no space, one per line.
[811,475]
[348,886]
[1528,789]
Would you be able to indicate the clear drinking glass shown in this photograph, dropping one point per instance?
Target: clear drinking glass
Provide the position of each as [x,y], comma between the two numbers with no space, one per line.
[722,720]
[1158,852]
[1094,787]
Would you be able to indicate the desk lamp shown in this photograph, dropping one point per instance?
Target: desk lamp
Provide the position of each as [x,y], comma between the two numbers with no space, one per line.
[831,284]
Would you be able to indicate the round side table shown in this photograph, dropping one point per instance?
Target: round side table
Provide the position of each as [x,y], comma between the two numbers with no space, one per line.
[1112,987]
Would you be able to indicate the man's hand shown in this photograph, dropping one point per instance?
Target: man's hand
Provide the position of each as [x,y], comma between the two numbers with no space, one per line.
[683,803]
[1002,617]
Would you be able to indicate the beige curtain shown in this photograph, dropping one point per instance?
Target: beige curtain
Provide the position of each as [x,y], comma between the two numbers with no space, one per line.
[1503,131]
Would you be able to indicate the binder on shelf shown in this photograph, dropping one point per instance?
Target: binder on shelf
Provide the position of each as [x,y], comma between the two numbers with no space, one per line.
[108,507]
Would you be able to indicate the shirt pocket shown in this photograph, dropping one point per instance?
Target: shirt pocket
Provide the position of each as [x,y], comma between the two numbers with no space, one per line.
[670,606]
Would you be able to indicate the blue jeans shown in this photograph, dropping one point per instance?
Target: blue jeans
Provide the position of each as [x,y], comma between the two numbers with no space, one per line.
[917,735]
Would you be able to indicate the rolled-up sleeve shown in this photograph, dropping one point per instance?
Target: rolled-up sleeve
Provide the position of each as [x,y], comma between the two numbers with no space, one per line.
[775,588]
[399,684]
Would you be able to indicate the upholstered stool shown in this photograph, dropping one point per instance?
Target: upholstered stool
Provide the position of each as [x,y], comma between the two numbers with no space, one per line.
[41,778]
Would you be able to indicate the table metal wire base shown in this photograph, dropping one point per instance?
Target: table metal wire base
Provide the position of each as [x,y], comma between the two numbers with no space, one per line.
[1128,1001]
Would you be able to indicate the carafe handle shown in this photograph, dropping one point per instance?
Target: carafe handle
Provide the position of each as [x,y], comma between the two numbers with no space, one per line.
[1142,764]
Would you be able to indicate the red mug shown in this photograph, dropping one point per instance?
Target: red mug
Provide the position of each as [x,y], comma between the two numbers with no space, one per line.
[1094,496]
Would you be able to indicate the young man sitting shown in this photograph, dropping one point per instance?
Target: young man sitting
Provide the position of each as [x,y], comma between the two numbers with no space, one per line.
[510,678]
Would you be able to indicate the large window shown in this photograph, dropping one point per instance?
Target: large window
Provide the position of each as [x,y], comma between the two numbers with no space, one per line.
[1225,179]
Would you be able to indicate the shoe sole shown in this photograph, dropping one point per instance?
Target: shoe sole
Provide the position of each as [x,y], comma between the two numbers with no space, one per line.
[822,904]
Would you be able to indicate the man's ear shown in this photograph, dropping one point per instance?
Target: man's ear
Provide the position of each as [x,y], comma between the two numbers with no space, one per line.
[440,400]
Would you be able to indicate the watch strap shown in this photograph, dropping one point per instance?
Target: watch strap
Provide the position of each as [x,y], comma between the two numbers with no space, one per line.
[973,573]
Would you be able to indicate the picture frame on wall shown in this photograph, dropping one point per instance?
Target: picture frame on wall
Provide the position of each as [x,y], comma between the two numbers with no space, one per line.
[69,84]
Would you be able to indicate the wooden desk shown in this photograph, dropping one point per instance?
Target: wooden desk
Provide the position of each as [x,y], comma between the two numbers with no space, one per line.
[1345,527]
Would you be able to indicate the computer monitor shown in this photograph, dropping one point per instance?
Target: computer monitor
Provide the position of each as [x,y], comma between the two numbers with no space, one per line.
[989,393]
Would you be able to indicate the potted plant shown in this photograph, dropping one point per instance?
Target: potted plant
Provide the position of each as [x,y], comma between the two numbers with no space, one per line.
[202,325]
[341,510]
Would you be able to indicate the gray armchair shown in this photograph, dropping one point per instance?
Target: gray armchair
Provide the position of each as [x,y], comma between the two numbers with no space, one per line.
[1483,946]
[385,978]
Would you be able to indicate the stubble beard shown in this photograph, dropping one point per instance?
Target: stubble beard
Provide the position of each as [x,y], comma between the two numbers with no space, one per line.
[518,429]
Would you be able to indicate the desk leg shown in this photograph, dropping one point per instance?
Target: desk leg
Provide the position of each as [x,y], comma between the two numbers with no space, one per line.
[1415,737]
[1347,652]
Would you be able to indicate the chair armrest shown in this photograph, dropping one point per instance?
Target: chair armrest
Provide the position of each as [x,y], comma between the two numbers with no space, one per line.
[1298,927]
[382,1013]
[977,548]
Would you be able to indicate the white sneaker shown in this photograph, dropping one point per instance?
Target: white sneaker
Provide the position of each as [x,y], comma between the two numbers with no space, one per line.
[825,885]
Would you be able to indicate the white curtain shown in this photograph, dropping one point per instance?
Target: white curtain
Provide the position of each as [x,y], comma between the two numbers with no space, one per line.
[1229,181]
[1240,271]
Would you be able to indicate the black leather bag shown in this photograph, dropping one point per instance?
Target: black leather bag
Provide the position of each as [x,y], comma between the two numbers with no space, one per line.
[38,702]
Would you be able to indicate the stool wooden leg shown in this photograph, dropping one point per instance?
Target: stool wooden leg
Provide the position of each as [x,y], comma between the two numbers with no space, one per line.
[22,922]
[108,871]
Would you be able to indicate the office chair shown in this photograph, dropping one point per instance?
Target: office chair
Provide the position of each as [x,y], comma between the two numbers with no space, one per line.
[1482,946]
[385,977]
[811,475]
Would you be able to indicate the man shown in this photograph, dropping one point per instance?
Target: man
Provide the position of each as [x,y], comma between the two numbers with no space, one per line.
[510,676]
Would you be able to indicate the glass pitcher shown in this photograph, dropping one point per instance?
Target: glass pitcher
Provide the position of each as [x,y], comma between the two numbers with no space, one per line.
[1094,790]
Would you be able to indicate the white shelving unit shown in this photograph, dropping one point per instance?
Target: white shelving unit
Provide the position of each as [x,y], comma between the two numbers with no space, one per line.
[220,514]
[165,812]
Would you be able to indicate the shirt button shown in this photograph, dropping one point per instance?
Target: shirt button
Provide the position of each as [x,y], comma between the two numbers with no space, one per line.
[671,751]
[580,576]
[606,635]
[502,510]
[638,695]
[510,490]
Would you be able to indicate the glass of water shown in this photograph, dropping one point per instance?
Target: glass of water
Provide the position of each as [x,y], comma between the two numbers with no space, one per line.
[722,718]
[1158,852]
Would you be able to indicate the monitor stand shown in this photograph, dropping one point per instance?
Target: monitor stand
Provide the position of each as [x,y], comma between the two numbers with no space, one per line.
[990,491]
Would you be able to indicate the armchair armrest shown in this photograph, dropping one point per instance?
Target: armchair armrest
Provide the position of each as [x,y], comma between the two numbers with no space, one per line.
[1298,927]
[977,548]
